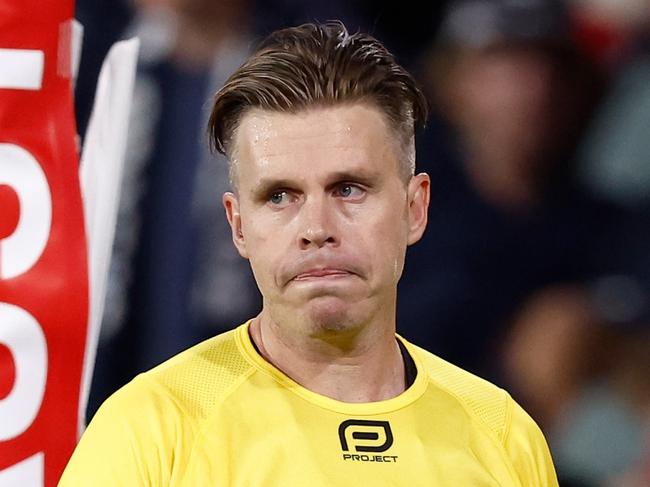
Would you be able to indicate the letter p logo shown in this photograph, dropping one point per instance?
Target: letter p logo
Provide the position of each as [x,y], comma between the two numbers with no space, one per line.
[365,435]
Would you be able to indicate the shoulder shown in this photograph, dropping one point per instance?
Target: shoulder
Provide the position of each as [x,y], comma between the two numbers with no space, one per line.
[200,377]
[481,399]
[182,391]
[142,431]
[521,439]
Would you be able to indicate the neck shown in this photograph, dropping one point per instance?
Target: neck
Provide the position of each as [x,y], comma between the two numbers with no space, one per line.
[363,367]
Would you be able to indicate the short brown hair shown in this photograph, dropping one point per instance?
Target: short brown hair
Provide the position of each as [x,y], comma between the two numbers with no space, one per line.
[318,65]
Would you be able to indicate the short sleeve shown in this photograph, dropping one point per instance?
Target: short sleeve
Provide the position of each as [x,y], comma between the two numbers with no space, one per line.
[130,441]
[528,450]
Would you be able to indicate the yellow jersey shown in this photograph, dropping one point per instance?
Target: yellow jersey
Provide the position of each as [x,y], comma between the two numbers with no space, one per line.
[219,414]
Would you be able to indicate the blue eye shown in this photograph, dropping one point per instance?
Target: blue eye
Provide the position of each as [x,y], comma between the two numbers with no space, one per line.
[278,197]
[345,190]
[349,191]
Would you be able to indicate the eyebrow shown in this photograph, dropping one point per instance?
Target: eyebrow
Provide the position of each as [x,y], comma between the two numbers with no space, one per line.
[265,185]
[367,178]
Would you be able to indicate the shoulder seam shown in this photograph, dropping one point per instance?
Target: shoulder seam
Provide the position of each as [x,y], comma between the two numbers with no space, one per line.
[469,409]
[508,418]
[200,431]
[168,392]
[230,390]
[438,373]
[171,396]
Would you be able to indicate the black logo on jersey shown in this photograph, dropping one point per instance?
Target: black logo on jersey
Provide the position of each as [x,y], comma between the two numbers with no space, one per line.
[362,435]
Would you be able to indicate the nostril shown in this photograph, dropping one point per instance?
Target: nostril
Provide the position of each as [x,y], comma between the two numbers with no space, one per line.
[317,240]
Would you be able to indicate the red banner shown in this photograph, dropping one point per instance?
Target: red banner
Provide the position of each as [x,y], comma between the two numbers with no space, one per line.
[43,269]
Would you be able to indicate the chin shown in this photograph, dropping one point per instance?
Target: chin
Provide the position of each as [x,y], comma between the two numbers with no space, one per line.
[331,315]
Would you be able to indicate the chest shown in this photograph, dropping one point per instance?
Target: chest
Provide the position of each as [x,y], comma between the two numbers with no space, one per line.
[292,443]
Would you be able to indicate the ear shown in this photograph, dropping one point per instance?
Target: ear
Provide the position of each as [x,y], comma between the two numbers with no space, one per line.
[418,201]
[231,205]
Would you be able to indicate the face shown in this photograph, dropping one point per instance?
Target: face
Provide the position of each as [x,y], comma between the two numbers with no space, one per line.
[508,103]
[324,215]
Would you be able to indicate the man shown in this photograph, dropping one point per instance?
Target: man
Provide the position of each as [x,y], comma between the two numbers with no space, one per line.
[318,126]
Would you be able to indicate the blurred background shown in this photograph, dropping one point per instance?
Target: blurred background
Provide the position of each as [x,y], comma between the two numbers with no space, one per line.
[535,269]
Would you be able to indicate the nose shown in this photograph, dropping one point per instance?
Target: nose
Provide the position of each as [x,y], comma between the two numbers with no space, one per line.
[317,225]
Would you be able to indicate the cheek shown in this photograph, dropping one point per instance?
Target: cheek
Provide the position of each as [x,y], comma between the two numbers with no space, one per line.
[264,271]
[393,224]
[384,240]
[269,243]
[261,225]
[262,245]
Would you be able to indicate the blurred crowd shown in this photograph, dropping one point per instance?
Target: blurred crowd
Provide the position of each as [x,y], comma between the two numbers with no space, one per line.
[535,268]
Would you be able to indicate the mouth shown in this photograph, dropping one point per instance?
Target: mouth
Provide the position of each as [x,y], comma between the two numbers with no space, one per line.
[322,274]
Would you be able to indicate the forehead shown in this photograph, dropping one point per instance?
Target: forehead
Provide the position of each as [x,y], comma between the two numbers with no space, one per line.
[345,137]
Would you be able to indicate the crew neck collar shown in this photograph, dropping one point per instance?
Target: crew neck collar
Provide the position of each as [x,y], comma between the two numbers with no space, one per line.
[411,394]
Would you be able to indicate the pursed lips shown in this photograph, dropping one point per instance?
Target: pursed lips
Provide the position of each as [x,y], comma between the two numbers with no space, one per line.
[322,273]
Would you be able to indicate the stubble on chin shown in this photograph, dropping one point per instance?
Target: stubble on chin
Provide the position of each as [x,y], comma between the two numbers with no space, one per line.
[329,316]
